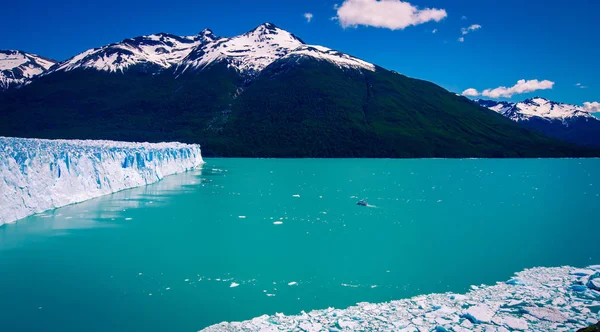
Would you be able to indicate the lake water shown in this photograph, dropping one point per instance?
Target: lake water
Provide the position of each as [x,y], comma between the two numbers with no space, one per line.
[289,235]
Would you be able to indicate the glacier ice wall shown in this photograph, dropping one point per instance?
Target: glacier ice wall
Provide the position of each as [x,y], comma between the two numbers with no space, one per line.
[38,175]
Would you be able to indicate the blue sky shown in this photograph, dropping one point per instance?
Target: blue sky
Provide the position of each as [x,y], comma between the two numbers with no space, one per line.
[531,40]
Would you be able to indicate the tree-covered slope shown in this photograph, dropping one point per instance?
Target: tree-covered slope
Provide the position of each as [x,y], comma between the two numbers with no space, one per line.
[305,107]
[297,107]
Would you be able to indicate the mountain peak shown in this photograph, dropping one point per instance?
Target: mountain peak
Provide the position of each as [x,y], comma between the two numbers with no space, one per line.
[160,50]
[271,31]
[206,32]
[18,67]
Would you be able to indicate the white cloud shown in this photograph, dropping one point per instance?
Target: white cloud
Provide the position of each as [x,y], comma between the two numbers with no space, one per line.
[592,107]
[471,28]
[470,92]
[390,14]
[522,86]
[434,31]
[581,86]
[461,39]
[308,17]
[463,17]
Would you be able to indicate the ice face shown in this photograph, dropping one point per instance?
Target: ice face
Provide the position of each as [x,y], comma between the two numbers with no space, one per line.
[38,175]
[543,299]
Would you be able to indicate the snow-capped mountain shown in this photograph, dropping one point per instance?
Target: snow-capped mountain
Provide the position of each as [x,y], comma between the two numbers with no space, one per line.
[248,53]
[17,68]
[158,51]
[537,108]
[563,121]
[253,51]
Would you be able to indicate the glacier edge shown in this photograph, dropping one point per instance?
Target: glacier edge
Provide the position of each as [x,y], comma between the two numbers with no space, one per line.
[37,175]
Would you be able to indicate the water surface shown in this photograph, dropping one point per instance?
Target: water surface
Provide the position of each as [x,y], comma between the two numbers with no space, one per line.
[164,257]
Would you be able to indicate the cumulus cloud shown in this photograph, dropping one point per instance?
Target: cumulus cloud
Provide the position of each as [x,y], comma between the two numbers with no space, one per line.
[461,39]
[434,31]
[581,86]
[522,86]
[308,17]
[470,93]
[471,28]
[463,17]
[390,14]
[592,107]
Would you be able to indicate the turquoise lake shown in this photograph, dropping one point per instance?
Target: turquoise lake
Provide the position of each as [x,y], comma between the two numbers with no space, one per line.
[288,235]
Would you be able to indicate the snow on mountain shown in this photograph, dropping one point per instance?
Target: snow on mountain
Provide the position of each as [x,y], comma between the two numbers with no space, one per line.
[17,68]
[248,53]
[161,50]
[537,108]
[253,51]
[323,53]
[538,299]
[38,175]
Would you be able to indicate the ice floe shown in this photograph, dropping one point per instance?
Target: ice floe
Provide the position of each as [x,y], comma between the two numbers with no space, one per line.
[538,299]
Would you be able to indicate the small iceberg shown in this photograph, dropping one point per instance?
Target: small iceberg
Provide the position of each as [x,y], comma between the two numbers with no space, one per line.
[233,285]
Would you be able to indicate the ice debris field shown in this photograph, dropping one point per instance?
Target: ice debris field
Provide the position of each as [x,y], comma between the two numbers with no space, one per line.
[38,175]
[538,299]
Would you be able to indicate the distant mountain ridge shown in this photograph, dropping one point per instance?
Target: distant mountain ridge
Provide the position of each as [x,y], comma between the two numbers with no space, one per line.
[264,93]
[18,68]
[563,121]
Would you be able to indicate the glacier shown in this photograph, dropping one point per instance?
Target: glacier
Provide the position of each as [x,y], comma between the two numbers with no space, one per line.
[537,299]
[38,175]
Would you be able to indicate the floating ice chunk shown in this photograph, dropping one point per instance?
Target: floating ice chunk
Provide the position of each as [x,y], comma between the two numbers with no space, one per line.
[296,195]
[583,272]
[128,219]
[549,314]
[479,314]
[277,222]
[515,323]
[350,285]
[233,284]
[242,217]
[292,283]
[516,282]
[594,284]
[269,295]
[310,327]
[347,324]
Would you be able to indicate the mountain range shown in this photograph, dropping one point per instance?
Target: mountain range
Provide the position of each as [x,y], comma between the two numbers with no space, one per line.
[563,121]
[265,93]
